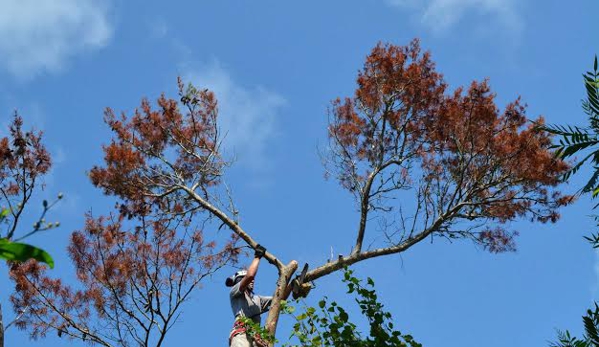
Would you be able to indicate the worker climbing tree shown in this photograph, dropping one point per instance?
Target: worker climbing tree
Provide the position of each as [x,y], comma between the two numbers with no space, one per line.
[247,306]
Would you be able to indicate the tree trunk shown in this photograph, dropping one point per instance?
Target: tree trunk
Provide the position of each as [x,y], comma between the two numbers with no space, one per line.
[275,307]
[1,328]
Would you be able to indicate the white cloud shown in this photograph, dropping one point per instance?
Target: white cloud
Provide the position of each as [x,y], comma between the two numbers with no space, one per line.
[440,15]
[247,115]
[40,35]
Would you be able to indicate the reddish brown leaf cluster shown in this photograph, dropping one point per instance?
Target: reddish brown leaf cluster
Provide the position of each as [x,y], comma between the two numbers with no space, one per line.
[498,240]
[23,161]
[154,151]
[498,158]
[464,158]
[132,282]
[136,266]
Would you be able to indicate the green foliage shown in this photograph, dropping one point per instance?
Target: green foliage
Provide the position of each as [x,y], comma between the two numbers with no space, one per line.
[12,250]
[257,332]
[20,252]
[575,140]
[591,323]
[329,324]
[591,336]
[565,340]
[594,237]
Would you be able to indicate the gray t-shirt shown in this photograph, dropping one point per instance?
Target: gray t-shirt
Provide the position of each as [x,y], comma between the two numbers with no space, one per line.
[248,305]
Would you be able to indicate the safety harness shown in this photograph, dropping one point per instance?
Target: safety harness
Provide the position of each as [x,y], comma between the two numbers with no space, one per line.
[239,328]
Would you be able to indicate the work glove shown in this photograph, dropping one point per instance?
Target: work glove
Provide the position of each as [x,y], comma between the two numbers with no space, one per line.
[260,251]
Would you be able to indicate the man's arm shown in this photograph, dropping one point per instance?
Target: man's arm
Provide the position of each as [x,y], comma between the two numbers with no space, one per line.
[253,269]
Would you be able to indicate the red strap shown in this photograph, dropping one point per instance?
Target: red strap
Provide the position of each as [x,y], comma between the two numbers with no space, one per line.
[238,328]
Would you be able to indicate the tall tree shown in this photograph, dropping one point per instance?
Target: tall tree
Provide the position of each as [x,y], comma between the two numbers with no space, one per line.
[425,162]
[137,265]
[24,161]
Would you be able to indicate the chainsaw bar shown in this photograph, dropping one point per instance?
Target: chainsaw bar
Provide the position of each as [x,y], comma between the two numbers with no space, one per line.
[302,275]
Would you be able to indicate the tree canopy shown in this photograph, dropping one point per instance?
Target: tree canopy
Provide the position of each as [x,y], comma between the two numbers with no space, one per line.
[421,158]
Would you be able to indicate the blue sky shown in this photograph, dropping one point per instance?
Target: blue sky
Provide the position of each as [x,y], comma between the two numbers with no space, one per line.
[275,66]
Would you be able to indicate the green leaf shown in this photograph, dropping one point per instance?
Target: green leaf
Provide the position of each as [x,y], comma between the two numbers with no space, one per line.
[21,252]
[4,213]
[591,185]
[343,316]
[591,329]
[575,168]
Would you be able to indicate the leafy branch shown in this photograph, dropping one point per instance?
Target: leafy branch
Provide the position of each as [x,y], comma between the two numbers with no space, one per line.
[330,324]
[574,139]
[13,250]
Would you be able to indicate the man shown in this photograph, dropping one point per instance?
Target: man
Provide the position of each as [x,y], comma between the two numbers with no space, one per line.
[245,303]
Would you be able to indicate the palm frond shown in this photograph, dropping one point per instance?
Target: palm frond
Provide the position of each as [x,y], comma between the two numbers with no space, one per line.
[566,176]
[591,185]
[573,139]
[591,104]
[563,130]
[592,97]
[577,144]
